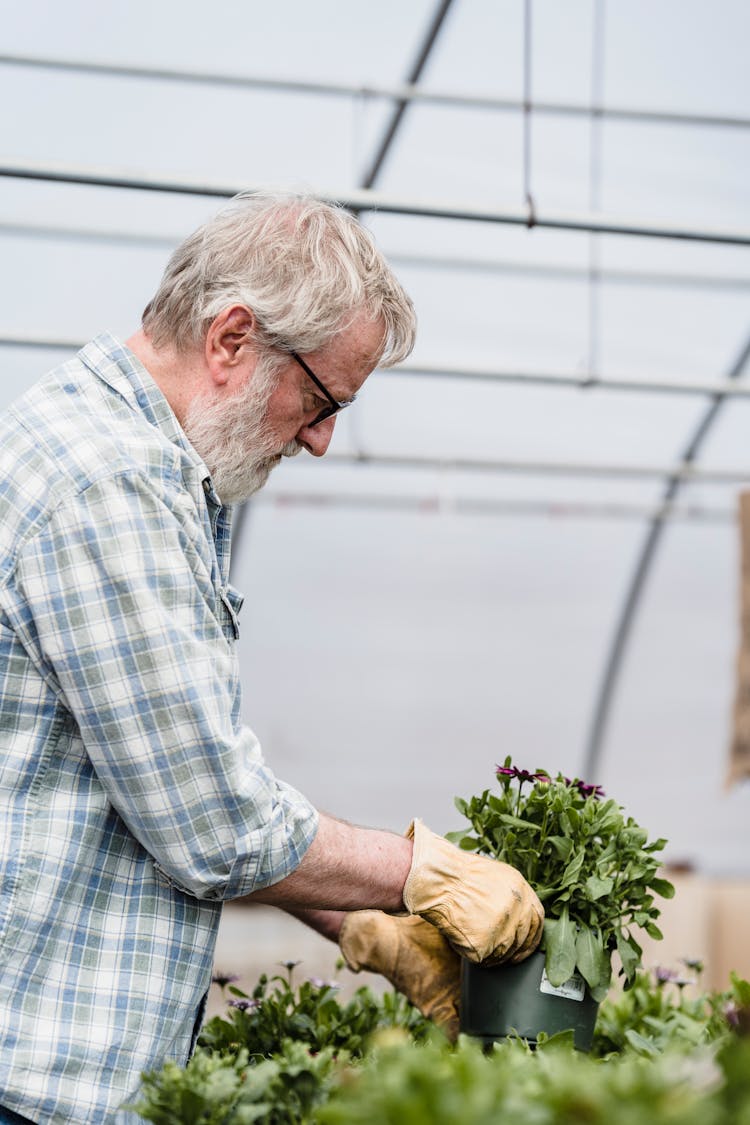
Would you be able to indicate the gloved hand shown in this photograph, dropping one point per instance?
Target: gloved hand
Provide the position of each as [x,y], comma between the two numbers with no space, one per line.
[485,909]
[412,955]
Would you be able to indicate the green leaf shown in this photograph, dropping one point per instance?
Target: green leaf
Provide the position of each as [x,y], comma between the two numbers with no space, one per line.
[518,822]
[466,843]
[601,990]
[630,954]
[741,989]
[560,942]
[662,887]
[592,960]
[654,931]
[598,886]
[562,845]
[609,818]
[641,1045]
[573,870]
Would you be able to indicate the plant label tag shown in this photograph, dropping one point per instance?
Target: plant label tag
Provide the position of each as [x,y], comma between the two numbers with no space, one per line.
[571,989]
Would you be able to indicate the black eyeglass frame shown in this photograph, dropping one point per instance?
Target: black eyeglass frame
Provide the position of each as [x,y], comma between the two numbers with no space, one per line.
[334,405]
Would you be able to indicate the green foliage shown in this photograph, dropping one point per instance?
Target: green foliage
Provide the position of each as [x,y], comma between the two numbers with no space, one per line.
[593,869]
[661,1011]
[734,1093]
[667,1058]
[216,1089]
[555,1085]
[311,1014]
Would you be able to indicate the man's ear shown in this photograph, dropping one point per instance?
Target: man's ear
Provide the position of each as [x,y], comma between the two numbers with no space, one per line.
[229,336]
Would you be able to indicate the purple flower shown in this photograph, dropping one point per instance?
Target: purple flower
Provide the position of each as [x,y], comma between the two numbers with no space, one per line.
[244,1005]
[518,774]
[289,965]
[223,979]
[670,976]
[318,982]
[589,790]
[732,1015]
[694,964]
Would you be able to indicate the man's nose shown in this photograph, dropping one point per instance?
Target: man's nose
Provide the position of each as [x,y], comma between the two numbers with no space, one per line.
[316,439]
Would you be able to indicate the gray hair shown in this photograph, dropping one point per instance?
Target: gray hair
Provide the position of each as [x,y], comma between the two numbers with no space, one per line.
[304,267]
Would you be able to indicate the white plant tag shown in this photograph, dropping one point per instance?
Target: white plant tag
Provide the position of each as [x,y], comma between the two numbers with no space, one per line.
[571,989]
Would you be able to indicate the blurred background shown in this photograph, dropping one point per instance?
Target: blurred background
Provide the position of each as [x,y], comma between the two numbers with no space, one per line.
[523,541]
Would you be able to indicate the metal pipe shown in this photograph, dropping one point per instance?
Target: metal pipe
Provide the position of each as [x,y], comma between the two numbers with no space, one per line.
[643,385]
[607,274]
[689,474]
[441,505]
[49,344]
[389,136]
[365,200]
[646,385]
[610,274]
[398,93]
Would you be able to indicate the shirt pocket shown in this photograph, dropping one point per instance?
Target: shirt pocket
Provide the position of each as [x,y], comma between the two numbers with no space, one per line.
[230,604]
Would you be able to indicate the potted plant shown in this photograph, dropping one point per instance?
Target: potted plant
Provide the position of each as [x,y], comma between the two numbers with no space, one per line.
[596,875]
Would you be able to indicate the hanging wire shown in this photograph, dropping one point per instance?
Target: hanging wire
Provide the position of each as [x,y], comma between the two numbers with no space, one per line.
[527,107]
[595,186]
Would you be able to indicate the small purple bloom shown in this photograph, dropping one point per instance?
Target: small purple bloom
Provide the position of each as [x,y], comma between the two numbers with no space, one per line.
[518,774]
[693,963]
[732,1015]
[670,976]
[289,965]
[223,979]
[244,1005]
[589,790]
[318,982]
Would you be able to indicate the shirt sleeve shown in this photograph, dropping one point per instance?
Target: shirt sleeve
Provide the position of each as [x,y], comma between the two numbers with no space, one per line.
[129,627]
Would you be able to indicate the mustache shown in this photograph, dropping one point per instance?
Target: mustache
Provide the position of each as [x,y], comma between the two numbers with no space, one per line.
[291,449]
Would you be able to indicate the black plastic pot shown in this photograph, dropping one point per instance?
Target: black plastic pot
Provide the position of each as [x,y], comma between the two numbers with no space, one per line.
[519,1000]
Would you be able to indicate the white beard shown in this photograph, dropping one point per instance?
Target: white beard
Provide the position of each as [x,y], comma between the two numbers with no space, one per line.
[233,438]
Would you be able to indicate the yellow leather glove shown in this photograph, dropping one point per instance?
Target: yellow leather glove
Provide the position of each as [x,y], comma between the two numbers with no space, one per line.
[412,955]
[485,909]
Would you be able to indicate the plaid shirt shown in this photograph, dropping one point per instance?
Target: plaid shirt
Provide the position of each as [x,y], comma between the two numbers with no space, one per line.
[132,799]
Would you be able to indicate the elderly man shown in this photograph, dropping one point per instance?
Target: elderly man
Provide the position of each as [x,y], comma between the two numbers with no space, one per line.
[133,801]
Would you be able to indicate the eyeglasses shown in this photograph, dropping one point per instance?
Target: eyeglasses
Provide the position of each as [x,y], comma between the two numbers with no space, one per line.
[334,405]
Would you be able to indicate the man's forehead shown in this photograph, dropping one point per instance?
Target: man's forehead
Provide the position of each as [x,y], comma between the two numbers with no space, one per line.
[362,339]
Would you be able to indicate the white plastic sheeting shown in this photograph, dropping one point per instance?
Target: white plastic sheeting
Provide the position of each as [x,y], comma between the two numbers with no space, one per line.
[393,654]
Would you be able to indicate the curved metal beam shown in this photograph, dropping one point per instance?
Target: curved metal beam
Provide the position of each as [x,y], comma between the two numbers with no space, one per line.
[613,667]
